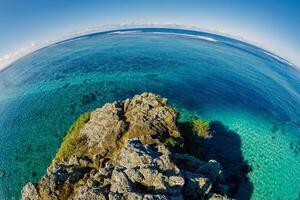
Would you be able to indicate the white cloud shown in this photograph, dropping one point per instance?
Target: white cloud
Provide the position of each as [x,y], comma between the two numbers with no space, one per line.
[8,58]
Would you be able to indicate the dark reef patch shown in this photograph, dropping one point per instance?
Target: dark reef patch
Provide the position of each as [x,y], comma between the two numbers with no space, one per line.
[274,129]
[88,98]
[34,173]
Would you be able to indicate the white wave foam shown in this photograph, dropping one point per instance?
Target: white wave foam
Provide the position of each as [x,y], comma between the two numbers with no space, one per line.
[124,32]
[210,39]
[277,57]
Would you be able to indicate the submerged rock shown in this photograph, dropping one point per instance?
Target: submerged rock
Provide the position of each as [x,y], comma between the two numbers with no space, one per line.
[121,153]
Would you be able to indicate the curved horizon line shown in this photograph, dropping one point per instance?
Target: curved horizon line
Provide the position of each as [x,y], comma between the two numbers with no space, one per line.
[110,28]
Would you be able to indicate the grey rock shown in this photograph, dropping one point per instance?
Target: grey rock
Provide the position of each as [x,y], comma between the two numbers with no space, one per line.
[86,193]
[104,129]
[149,169]
[149,114]
[120,182]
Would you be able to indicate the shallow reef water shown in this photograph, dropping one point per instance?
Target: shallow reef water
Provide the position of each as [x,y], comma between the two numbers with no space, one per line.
[251,98]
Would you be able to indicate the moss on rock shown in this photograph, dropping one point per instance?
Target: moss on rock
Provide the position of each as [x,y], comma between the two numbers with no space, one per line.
[71,143]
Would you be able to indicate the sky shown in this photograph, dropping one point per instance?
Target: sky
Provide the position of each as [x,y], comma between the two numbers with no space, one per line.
[270,24]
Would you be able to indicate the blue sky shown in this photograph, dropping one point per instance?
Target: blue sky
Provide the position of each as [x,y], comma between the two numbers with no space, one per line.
[273,24]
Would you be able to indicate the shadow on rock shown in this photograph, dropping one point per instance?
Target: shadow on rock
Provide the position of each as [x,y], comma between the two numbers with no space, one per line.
[224,146]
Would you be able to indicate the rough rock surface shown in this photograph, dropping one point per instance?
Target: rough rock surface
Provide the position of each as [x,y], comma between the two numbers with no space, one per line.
[125,157]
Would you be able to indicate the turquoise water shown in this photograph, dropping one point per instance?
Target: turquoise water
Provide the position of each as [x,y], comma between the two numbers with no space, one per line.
[253,94]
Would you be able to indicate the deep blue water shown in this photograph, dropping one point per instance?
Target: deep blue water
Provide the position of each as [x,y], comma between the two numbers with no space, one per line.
[253,94]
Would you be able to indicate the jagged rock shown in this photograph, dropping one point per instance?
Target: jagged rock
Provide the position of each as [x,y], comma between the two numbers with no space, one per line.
[120,181]
[86,193]
[148,115]
[105,128]
[83,161]
[148,170]
[123,156]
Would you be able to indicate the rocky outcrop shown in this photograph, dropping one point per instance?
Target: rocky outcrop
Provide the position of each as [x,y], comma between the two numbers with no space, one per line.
[122,153]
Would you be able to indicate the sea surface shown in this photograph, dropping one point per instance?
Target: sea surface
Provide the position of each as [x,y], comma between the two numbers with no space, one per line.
[251,92]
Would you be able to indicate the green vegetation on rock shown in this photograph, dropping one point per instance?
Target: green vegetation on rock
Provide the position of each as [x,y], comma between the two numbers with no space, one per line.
[70,144]
[171,142]
[194,131]
[200,128]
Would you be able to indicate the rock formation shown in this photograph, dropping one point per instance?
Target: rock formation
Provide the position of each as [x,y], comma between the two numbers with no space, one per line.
[123,151]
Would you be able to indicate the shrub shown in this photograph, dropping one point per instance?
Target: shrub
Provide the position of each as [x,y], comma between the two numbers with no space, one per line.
[171,142]
[72,142]
[200,128]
